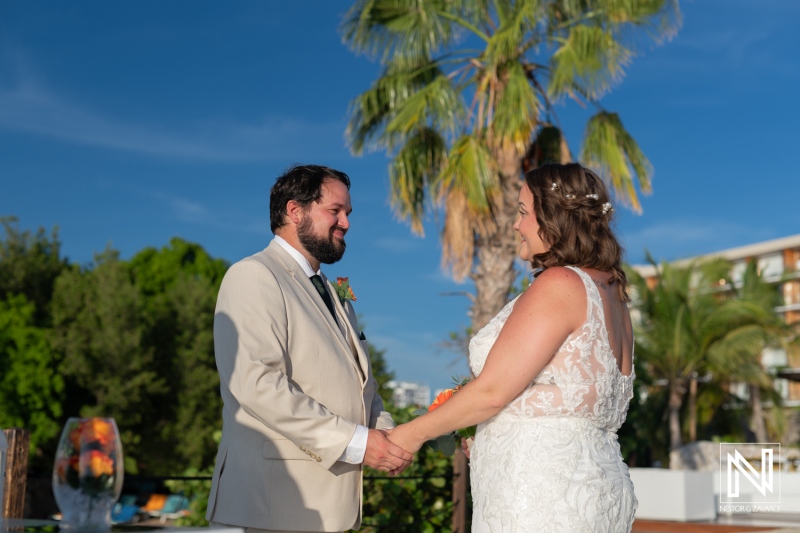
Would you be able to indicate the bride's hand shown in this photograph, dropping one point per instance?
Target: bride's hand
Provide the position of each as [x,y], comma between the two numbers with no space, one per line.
[466,446]
[404,437]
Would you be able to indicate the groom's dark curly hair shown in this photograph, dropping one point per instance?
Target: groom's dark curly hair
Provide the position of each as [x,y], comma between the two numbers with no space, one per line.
[574,212]
[303,184]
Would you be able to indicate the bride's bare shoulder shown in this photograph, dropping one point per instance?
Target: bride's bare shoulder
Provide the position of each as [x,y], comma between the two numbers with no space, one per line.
[557,285]
[557,278]
[557,297]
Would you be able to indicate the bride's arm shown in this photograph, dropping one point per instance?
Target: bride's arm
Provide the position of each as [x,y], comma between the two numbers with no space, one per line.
[543,317]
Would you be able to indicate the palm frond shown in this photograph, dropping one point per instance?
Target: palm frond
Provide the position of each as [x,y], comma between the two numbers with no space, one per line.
[400,28]
[662,17]
[609,149]
[737,357]
[591,57]
[472,171]
[516,110]
[516,20]
[437,104]
[414,167]
[458,235]
[373,109]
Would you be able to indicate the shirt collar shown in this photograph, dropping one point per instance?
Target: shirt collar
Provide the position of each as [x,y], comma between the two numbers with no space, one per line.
[297,256]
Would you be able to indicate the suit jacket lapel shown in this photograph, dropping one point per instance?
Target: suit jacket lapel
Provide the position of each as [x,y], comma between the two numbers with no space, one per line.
[351,330]
[311,293]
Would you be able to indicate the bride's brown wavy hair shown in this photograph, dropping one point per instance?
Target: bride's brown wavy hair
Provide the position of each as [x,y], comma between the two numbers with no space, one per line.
[569,204]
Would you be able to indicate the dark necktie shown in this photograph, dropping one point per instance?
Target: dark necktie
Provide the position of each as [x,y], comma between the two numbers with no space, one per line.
[326,297]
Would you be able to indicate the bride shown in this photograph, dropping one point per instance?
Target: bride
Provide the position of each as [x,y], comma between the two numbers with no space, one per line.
[554,374]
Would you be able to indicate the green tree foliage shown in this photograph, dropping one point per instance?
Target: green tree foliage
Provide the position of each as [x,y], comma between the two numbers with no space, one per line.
[131,340]
[29,265]
[137,342]
[764,329]
[31,389]
[179,285]
[100,326]
[380,369]
[419,499]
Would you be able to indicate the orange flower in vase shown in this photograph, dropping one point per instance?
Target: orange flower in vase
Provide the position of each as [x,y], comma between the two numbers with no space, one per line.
[68,467]
[99,431]
[87,474]
[95,464]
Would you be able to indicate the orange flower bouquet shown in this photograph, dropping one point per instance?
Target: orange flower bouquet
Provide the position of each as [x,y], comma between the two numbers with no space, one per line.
[87,476]
[447,443]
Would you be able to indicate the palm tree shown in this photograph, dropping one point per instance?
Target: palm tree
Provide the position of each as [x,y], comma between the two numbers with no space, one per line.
[465,103]
[667,312]
[687,328]
[766,330]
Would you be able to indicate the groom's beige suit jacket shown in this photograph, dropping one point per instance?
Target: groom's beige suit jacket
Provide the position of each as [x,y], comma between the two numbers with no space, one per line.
[294,386]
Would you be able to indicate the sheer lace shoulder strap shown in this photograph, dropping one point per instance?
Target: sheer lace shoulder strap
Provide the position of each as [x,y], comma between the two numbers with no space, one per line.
[594,303]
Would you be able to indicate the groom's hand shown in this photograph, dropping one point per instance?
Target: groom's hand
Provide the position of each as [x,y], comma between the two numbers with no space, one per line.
[384,455]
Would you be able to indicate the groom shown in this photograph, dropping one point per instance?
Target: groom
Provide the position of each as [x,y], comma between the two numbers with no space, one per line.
[301,413]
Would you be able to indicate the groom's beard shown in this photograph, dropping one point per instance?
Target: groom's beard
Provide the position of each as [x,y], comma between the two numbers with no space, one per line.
[327,249]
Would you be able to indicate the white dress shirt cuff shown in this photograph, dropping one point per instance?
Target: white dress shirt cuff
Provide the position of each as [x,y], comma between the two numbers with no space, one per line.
[354,453]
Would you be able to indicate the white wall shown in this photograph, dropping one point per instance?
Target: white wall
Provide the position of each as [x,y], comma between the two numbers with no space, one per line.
[684,495]
[677,495]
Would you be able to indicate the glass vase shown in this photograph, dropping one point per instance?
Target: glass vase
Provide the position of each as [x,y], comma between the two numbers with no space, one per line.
[87,475]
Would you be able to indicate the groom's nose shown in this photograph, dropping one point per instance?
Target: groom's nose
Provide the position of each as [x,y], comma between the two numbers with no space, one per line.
[343,221]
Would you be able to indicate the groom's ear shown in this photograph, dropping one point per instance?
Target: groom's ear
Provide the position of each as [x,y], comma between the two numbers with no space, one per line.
[294,211]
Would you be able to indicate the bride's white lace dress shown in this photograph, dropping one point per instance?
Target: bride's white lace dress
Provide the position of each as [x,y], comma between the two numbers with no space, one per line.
[550,460]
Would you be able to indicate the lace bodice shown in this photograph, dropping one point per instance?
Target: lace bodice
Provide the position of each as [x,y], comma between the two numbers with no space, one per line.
[581,380]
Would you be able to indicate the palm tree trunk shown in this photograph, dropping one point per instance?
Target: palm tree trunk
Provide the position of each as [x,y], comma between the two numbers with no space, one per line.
[675,401]
[693,408]
[495,253]
[757,418]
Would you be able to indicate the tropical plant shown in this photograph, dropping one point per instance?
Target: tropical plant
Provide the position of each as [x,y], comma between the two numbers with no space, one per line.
[462,123]
[766,330]
[687,328]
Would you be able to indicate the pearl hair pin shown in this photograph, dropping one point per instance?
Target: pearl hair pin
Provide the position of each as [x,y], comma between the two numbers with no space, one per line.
[592,196]
[554,186]
[607,207]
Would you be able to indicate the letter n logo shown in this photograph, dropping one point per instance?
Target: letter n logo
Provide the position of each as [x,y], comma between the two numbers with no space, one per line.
[742,482]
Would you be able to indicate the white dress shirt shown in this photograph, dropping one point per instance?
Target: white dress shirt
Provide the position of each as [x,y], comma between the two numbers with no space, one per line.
[354,453]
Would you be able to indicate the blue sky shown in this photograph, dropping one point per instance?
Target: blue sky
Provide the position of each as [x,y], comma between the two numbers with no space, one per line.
[129,123]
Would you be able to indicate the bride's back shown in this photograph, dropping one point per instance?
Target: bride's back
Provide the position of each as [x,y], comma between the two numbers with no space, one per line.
[591,374]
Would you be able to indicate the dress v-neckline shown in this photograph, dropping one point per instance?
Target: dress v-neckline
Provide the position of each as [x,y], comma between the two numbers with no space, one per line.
[591,290]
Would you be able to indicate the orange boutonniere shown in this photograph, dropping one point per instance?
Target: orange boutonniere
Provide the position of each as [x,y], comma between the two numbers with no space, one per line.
[344,291]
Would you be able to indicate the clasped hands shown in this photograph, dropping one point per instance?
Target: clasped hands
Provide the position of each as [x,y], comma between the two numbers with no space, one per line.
[390,450]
